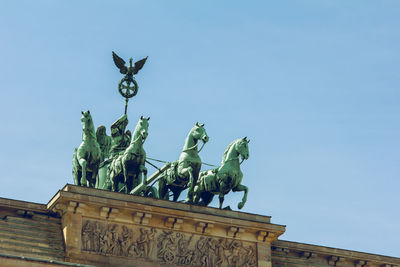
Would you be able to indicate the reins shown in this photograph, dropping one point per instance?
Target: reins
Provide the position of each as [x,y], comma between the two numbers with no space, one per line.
[240,163]
[134,141]
[195,146]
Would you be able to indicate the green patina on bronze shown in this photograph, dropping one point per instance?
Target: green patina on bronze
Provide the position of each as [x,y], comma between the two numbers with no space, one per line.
[87,157]
[126,170]
[184,173]
[117,162]
[225,178]
[128,87]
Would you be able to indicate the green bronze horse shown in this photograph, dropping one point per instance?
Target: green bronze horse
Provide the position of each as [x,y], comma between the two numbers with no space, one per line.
[125,171]
[225,178]
[87,157]
[184,173]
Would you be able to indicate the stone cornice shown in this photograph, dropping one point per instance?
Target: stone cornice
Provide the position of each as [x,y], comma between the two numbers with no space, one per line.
[23,205]
[332,255]
[122,208]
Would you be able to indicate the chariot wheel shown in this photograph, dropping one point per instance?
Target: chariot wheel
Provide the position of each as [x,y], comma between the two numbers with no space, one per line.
[169,257]
[126,89]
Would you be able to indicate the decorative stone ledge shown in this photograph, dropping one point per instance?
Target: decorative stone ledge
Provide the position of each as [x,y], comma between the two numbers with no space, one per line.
[284,252]
[132,229]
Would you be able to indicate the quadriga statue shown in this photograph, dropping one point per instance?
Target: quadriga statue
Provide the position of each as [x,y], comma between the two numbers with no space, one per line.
[126,170]
[225,178]
[87,157]
[184,172]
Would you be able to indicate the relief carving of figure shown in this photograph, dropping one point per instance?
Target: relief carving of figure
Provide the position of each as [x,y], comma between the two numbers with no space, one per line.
[166,246]
[87,237]
[170,247]
[145,241]
[125,239]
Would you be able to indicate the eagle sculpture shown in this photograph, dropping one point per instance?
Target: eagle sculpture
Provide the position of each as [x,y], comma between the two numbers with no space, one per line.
[130,70]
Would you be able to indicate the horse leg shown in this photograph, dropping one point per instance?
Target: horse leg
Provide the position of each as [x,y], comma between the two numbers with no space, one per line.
[126,177]
[152,192]
[142,181]
[92,180]
[75,167]
[221,200]
[112,181]
[143,169]
[83,163]
[177,192]
[189,198]
[196,194]
[244,199]
[162,188]
[206,198]
[75,175]
[96,177]
[112,177]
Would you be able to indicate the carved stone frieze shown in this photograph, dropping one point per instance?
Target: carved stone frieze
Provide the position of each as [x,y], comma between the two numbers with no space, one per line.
[165,246]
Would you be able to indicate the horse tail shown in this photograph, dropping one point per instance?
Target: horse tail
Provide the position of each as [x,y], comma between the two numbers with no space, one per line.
[75,162]
[75,166]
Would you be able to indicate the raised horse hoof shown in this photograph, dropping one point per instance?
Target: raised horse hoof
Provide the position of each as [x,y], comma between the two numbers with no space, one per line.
[240,205]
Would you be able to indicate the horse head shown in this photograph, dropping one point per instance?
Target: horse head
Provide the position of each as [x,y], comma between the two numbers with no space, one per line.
[141,130]
[199,133]
[242,147]
[87,121]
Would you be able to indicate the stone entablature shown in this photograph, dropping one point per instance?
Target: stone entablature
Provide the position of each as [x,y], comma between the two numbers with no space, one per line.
[286,253]
[101,225]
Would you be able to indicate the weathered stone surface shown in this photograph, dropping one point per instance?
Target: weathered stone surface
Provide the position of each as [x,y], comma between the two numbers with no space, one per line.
[165,246]
[28,229]
[157,232]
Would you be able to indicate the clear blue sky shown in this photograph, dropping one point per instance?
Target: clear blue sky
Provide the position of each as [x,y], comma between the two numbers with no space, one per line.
[314,84]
